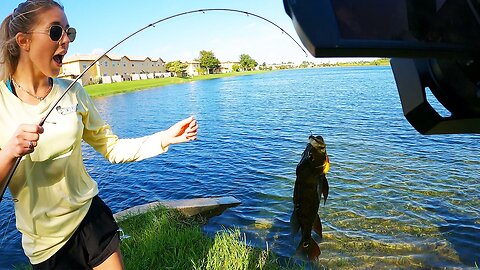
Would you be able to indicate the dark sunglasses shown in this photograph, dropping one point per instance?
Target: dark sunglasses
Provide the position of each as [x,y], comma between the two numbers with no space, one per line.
[56,33]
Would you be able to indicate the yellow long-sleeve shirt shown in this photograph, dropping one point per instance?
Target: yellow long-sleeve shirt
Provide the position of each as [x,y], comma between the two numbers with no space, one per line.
[51,187]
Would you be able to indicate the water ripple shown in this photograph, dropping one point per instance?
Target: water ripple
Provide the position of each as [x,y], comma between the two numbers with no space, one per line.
[397,199]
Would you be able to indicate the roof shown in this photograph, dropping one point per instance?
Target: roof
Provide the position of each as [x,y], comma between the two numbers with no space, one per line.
[80,57]
[114,57]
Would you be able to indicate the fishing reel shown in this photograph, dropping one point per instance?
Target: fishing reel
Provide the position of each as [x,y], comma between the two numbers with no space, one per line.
[433,44]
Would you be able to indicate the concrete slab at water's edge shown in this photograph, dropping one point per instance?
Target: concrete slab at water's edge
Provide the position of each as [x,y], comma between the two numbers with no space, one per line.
[206,207]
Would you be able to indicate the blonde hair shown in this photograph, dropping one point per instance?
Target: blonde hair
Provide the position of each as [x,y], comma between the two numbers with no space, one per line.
[22,20]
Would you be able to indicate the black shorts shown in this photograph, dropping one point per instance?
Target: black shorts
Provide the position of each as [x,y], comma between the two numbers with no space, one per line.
[92,243]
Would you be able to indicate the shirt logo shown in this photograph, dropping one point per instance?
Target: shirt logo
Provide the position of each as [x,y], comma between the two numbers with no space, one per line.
[66,110]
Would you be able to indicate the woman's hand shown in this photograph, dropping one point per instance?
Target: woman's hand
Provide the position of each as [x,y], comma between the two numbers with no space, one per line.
[24,140]
[183,131]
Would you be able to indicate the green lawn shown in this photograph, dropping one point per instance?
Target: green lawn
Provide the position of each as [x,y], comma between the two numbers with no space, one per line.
[98,90]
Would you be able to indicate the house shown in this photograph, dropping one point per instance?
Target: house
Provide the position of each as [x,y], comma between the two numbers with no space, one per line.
[192,68]
[226,67]
[111,68]
[75,65]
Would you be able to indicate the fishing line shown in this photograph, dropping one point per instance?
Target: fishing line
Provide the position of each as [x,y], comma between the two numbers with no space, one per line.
[17,161]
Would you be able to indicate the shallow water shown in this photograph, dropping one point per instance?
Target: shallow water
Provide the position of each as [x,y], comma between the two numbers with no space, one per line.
[397,199]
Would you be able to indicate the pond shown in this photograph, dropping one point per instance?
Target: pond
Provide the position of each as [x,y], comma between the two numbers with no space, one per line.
[397,198]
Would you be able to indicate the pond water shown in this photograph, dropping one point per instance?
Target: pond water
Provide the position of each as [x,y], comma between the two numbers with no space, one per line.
[397,199]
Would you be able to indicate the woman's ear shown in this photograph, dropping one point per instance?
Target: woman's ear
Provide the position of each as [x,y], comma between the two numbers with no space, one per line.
[23,41]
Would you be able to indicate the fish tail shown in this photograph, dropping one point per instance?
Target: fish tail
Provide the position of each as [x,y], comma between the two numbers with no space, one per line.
[309,248]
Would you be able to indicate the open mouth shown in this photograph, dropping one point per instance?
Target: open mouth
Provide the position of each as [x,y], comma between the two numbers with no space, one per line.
[58,59]
[317,142]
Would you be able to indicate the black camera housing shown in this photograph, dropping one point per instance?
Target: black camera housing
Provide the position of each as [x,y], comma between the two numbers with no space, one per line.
[432,43]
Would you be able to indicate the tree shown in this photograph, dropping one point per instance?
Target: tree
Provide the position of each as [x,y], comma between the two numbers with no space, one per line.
[247,63]
[208,61]
[176,67]
[236,67]
[201,71]
[263,66]
[306,64]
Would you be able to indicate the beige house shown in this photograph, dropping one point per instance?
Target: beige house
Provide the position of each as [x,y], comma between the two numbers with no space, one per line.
[281,66]
[111,68]
[192,68]
[75,65]
[226,67]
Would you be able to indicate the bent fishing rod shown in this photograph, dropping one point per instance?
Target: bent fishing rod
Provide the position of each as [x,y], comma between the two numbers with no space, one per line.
[18,159]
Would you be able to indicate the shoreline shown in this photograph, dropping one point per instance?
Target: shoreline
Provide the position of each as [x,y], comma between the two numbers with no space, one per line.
[104,90]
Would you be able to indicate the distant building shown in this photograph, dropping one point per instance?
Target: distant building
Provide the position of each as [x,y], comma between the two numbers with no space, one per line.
[282,66]
[112,68]
[226,67]
[192,68]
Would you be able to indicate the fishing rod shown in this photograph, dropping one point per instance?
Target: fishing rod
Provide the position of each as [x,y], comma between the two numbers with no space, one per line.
[17,161]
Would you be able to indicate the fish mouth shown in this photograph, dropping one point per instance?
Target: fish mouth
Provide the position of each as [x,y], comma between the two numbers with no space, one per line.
[318,153]
[317,142]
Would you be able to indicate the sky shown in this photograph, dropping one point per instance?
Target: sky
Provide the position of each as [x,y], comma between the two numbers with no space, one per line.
[102,23]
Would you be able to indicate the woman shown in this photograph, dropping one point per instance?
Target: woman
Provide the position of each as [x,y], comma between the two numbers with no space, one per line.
[63,222]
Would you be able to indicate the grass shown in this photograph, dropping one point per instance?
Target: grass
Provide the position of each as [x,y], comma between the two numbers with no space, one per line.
[98,90]
[165,239]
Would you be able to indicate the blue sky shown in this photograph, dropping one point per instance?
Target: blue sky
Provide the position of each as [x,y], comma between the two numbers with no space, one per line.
[102,23]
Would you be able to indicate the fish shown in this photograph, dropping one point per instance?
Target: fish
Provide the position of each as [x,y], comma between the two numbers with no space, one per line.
[310,184]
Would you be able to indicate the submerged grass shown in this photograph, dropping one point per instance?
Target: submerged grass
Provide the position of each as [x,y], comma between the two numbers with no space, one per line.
[165,239]
[99,90]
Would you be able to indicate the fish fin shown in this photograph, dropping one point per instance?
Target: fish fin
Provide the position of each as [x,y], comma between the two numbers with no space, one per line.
[317,226]
[320,187]
[325,189]
[294,223]
[326,165]
[309,249]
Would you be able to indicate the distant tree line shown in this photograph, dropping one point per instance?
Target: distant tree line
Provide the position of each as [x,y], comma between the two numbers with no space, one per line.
[376,62]
[210,64]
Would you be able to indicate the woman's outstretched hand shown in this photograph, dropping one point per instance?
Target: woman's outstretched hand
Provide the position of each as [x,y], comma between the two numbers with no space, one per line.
[183,131]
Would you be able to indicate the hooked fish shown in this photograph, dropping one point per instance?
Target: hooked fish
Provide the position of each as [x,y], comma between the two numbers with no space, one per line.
[310,185]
